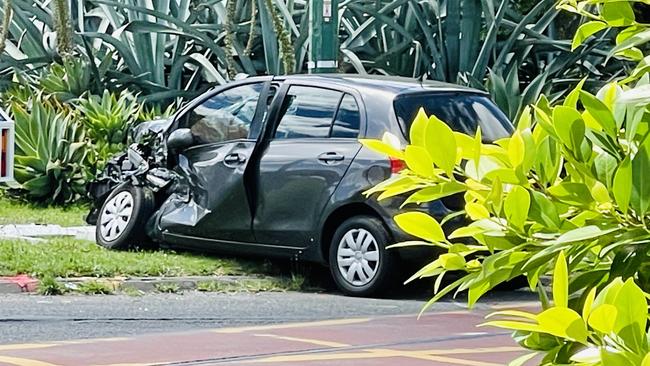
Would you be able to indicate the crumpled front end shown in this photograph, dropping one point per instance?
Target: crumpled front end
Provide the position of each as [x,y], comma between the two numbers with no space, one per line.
[143,164]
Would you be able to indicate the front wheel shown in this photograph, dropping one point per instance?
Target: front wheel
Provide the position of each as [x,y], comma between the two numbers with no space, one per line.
[359,261]
[123,216]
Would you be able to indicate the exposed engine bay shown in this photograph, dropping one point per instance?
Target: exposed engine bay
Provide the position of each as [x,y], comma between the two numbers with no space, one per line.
[144,164]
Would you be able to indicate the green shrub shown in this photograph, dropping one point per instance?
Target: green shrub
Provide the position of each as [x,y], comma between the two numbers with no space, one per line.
[610,329]
[50,153]
[66,81]
[106,120]
[571,179]
[153,112]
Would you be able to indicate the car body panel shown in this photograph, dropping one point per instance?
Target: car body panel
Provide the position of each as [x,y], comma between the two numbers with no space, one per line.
[215,210]
[294,188]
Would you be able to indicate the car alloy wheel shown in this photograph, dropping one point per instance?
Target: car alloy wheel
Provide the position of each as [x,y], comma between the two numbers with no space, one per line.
[358,257]
[116,215]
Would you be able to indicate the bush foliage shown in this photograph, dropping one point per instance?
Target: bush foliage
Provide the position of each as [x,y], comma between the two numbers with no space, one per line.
[65,132]
[568,187]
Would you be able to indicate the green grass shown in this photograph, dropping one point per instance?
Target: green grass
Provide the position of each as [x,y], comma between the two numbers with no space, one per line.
[15,212]
[61,257]
[50,286]
[264,284]
[168,288]
[94,288]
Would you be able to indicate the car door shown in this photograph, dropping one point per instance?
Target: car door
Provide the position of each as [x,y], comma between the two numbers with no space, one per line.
[225,127]
[309,151]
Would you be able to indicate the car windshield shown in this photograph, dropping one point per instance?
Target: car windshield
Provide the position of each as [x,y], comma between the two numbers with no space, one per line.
[462,111]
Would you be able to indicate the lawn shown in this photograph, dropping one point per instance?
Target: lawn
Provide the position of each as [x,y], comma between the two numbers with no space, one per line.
[15,212]
[63,257]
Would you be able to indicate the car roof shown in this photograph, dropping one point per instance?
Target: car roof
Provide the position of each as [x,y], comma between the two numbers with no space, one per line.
[392,84]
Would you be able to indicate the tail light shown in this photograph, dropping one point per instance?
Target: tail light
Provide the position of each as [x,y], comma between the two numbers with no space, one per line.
[396,165]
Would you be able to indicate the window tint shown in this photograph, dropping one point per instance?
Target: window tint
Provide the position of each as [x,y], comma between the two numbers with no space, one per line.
[225,116]
[307,112]
[347,119]
[463,112]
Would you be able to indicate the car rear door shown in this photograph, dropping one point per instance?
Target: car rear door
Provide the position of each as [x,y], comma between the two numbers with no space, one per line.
[311,146]
[225,126]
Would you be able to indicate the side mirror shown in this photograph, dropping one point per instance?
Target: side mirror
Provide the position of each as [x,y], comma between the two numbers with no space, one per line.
[180,139]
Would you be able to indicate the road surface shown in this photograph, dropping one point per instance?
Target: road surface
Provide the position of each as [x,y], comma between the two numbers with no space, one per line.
[269,328]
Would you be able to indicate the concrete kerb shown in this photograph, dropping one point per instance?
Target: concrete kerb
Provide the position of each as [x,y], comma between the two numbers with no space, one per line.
[36,233]
[20,284]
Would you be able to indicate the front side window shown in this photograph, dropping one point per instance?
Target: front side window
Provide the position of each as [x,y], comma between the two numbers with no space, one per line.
[307,112]
[225,116]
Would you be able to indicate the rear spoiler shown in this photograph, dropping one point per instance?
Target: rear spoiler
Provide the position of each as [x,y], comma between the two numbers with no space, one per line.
[7,131]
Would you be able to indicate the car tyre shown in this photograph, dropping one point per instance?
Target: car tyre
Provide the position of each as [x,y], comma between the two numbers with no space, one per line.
[123,216]
[359,261]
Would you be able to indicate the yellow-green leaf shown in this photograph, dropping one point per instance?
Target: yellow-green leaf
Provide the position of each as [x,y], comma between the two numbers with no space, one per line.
[513,325]
[441,144]
[561,282]
[464,146]
[382,148]
[476,211]
[438,191]
[589,301]
[466,231]
[622,186]
[617,13]
[603,318]
[516,206]
[600,112]
[452,261]
[419,128]
[563,322]
[514,313]
[521,361]
[632,312]
[585,31]
[600,192]
[420,225]
[516,149]
[525,120]
[571,99]
[418,161]
[646,360]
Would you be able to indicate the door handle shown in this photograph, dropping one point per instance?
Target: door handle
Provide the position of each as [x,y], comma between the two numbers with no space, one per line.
[330,156]
[234,159]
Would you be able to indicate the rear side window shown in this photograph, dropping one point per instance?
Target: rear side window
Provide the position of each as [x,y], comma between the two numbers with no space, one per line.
[462,111]
[347,119]
[307,112]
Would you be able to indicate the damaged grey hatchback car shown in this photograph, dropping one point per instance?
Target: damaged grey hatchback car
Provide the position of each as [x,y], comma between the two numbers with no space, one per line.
[273,166]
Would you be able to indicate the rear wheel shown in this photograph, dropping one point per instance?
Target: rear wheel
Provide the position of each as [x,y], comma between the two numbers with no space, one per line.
[123,216]
[359,261]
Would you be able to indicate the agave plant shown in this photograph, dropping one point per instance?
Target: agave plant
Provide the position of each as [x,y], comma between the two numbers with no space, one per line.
[106,120]
[66,81]
[153,112]
[50,153]
[166,49]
